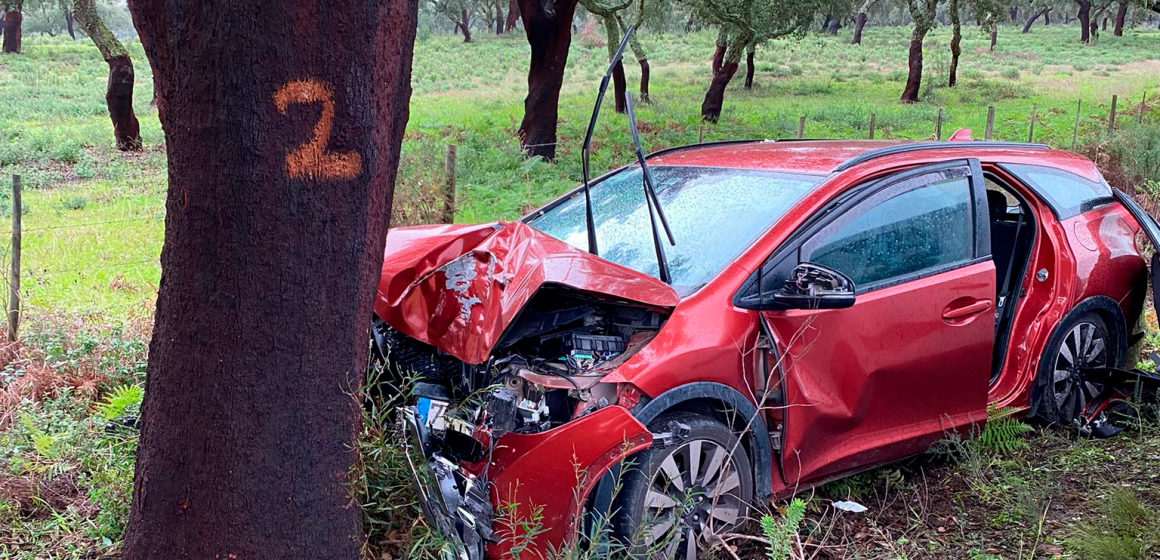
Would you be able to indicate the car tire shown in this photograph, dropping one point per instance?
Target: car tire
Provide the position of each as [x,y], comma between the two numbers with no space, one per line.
[1061,390]
[666,510]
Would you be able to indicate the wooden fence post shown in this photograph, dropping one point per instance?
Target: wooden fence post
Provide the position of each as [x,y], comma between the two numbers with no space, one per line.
[14,275]
[872,117]
[990,133]
[938,126]
[801,127]
[449,186]
[1075,133]
[1112,117]
[1031,130]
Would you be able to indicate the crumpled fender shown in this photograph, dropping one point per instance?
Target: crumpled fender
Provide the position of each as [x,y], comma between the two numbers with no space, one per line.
[564,461]
[458,287]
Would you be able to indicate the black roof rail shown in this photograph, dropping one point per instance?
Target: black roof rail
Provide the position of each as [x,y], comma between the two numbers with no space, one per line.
[919,146]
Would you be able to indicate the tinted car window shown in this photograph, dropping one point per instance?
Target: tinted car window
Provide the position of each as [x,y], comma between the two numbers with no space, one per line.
[714,213]
[921,229]
[1067,193]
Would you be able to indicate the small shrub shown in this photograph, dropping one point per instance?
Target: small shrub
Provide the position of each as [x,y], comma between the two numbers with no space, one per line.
[780,534]
[74,203]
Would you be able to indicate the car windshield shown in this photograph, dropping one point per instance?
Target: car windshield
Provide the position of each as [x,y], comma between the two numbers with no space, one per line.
[714,214]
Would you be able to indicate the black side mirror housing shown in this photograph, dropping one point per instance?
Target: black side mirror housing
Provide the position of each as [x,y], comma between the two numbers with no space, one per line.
[809,286]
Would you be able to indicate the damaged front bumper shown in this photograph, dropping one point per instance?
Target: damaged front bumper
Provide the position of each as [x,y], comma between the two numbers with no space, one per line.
[538,483]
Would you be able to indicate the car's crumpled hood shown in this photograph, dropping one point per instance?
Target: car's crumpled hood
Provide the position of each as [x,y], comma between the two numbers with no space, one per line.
[458,287]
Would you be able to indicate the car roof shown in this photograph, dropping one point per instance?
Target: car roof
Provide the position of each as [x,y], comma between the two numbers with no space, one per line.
[822,157]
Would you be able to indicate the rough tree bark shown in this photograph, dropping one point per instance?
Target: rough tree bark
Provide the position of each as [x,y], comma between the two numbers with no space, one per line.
[548,26]
[513,16]
[283,121]
[922,12]
[724,67]
[119,91]
[956,42]
[859,23]
[638,51]
[13,18]
[1034,16]
[464,25]
[68,24]
[1084,15]
[1121,16]
[749,67]
[994,34]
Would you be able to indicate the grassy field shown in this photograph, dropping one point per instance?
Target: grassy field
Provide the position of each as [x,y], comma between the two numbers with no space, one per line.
[93,222]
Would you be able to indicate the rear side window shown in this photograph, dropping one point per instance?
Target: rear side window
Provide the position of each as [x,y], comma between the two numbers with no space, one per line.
[919,230]
[1068,194]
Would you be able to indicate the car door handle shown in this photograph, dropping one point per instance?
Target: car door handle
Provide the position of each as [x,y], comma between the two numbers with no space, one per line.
[979,306]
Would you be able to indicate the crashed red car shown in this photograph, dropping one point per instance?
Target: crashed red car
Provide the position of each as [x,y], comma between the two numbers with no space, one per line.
[830,306]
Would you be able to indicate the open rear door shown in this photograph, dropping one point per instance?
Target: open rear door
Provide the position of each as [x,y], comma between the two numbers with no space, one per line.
[1152,230]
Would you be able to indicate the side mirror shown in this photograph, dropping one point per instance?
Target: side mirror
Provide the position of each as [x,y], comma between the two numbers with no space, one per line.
[809,286]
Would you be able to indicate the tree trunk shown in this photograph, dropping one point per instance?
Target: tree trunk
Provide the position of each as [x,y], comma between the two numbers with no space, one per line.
[1121,15]
[914,66]
[859,23]
[68,24]
[715,97]
[1034,16]
[464,25]
[1084,14]
[644,75]
[833,26]
[12,30]
[1047,18]
[749,69]
[994,36]
[613,36]
[549,32]
[619,86]
[1104,26]
[499,21]
[281,168]
[1014,13]
[119,91]
[513,15]
[956,42]
[718,57]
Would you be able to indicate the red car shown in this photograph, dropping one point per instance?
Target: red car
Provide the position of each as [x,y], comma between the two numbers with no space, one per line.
[827,307]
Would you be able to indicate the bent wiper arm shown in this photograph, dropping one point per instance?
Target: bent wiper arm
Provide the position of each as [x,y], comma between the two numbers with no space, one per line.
[650,199]
[584,150]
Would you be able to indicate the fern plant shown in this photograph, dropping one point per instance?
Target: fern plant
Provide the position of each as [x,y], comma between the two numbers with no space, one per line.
[120,400]
[780,534]
[1003,433]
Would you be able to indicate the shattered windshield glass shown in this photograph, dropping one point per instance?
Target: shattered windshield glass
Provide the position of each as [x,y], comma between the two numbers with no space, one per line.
[714,214]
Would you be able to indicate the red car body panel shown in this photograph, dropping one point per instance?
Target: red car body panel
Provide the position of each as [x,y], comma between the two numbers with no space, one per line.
[459,287]
[865,385]
[582,451]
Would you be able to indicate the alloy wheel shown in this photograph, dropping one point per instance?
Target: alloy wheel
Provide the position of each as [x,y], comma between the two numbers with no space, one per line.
[694,495]
[1085,346]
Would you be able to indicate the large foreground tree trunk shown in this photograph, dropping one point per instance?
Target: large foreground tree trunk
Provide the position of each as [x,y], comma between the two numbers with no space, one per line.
[1084,15]
[548,26]
[119,91]
[956,42]
[283,121]
[13,19]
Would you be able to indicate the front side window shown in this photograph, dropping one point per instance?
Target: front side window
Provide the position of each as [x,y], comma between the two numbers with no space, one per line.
[714,213]
[922,229]
[1067,193]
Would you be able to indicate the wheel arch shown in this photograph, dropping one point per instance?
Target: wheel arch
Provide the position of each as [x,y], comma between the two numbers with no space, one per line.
[1108,310]
[728,405]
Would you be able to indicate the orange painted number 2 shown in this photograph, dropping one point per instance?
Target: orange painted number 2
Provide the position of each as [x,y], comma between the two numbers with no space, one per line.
[311,160]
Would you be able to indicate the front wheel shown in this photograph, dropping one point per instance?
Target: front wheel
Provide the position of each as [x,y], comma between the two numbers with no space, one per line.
[676,499]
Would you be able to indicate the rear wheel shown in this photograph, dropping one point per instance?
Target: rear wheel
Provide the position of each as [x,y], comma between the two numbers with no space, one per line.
[1066,389]
[676,499]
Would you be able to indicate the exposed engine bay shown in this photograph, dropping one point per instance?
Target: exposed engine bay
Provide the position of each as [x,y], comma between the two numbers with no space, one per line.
[546,371]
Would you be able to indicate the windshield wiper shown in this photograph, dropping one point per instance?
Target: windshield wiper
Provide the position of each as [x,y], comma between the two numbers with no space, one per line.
[584,150]
[650,198]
